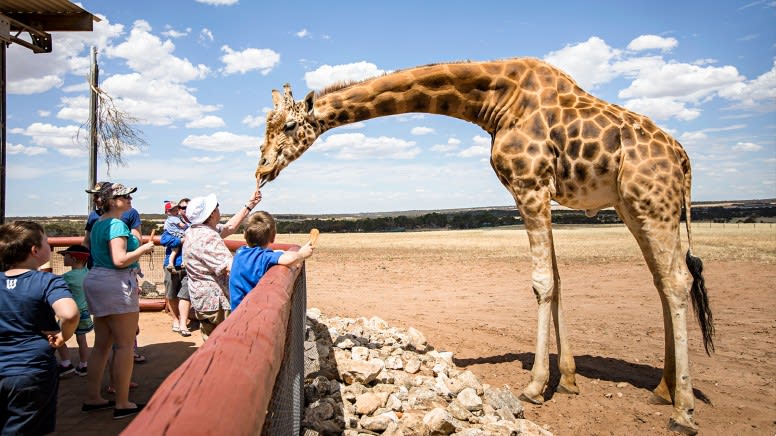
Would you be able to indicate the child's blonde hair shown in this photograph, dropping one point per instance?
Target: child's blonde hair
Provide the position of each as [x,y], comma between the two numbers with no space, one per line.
[260,229]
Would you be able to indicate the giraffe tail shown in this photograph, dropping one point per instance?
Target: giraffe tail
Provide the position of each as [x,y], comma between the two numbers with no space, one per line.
[698,294]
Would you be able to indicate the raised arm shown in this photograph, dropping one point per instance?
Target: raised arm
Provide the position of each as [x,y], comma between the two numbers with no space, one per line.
[234,222]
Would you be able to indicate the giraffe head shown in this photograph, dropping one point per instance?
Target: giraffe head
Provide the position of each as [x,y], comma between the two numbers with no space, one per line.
[291,130]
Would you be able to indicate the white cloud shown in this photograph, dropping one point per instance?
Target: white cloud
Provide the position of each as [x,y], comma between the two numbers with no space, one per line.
[420,130]
[156,102]
[206,35]
[153,58]
[44,113]
[662,108]
[651,42]
[62,139]
[481,148]
[327,74]
[261,59]
[29,151]
[207,121]
[747,146]
[255,121]
[218,2]
[351,146]
[33,73]
[759,93]
[452,145]
[303,33]
[223,142]
[587,62]
[172,33]
[208,159]
[681,81]
[35,85]
[160,182]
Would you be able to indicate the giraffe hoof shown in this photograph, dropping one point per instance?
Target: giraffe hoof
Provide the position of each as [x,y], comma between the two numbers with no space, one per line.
[536,399]
[567,389]
[686,427]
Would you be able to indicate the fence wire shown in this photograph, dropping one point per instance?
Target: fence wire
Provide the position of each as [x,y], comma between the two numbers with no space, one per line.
[284,413]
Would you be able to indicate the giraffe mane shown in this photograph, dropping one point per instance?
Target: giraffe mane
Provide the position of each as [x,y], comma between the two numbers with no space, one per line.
[337,86]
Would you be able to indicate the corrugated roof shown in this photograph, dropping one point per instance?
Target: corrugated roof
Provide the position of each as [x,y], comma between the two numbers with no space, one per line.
[48,15]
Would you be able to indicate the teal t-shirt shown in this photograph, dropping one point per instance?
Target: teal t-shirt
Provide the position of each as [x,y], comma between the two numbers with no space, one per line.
[102,232]
[75,282]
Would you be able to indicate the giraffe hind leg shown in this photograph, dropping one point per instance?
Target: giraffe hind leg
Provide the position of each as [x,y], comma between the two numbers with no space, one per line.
[660,244]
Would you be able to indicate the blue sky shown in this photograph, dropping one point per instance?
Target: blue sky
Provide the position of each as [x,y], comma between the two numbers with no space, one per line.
[198,74]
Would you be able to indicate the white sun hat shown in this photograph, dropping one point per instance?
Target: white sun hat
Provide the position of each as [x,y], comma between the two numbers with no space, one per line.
[200,208]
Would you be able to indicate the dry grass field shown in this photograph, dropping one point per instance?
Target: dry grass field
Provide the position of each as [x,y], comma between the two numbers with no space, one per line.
[469,292]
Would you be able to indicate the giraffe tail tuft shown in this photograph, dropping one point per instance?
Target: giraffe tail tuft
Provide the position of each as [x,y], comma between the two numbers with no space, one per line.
[700,301]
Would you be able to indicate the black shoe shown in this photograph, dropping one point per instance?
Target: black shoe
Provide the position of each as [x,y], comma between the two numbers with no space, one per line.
[92,407]
[82,371]
[65,370]
[123,413]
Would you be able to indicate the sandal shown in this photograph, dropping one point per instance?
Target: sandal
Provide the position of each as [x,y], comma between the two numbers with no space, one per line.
[176,328]
[139,358]
[185,333]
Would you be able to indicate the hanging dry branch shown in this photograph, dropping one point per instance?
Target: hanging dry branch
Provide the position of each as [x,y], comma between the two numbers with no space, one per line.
[116,133]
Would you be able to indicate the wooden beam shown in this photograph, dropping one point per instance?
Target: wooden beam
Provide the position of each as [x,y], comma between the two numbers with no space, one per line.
[53,22]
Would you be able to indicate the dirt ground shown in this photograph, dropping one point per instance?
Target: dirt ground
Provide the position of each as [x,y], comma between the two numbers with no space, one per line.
[476,302]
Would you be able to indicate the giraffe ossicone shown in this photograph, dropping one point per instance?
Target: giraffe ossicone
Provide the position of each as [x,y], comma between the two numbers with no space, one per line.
[551,140]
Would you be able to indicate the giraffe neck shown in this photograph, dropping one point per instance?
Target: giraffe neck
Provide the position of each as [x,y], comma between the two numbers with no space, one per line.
[473,92]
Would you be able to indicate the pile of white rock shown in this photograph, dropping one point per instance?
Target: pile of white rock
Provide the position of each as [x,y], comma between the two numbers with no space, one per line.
[363,377]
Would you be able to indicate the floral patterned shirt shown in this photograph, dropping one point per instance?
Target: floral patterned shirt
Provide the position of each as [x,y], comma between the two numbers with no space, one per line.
[207,261]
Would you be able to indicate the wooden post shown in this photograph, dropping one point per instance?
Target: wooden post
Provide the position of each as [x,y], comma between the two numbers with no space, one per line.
[94,83]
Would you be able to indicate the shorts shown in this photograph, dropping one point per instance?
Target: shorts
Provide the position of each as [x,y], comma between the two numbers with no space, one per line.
[176,285]
[30,402]
[85,325]
[208,321]
[112,291]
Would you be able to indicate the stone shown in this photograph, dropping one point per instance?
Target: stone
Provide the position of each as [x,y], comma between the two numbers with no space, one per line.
[503,398]
[412,366]
[368,402]
[360,371]
[469,399]
[439,421]
[359,353]
[394,362]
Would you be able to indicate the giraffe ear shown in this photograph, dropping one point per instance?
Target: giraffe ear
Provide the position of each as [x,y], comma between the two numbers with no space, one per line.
[309,102]
[276,99]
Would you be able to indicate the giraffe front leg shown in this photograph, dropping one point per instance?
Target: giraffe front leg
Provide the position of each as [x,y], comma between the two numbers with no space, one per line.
[536,215]
[568,369]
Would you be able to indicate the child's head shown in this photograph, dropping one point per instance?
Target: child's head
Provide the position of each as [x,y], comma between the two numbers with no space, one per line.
[260,229]
[76,256]
[21,239]
[170,209]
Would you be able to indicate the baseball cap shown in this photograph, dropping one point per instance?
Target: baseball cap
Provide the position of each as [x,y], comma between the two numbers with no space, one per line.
[78,251]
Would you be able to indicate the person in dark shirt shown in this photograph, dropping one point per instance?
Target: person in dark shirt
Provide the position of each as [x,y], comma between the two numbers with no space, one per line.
[29,302]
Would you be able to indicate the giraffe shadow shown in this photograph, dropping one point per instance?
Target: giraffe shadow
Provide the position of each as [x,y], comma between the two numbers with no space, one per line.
[594,367]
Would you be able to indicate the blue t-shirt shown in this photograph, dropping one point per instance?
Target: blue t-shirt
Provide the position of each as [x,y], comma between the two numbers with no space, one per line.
[248,267]
[103,231]
[25,312]
[131,218]
[170,243]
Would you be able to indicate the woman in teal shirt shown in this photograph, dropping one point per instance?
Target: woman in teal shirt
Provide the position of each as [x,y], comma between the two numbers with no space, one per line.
[113,295]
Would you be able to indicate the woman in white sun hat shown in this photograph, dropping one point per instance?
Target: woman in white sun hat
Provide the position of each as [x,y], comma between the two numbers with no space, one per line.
[208,260]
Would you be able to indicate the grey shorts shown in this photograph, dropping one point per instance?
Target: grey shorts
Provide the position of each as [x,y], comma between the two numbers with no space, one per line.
[176,285]
[111,291]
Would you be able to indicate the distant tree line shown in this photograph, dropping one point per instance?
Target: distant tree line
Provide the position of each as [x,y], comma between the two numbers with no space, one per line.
[458,220]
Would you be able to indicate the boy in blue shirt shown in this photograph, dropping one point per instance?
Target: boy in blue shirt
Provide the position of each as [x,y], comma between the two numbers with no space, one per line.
[252,261]
[29,302]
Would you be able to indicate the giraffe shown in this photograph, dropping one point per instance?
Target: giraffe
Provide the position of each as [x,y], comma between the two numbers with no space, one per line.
[551,140]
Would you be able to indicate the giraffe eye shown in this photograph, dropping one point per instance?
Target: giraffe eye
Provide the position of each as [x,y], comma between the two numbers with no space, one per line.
[291,125]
